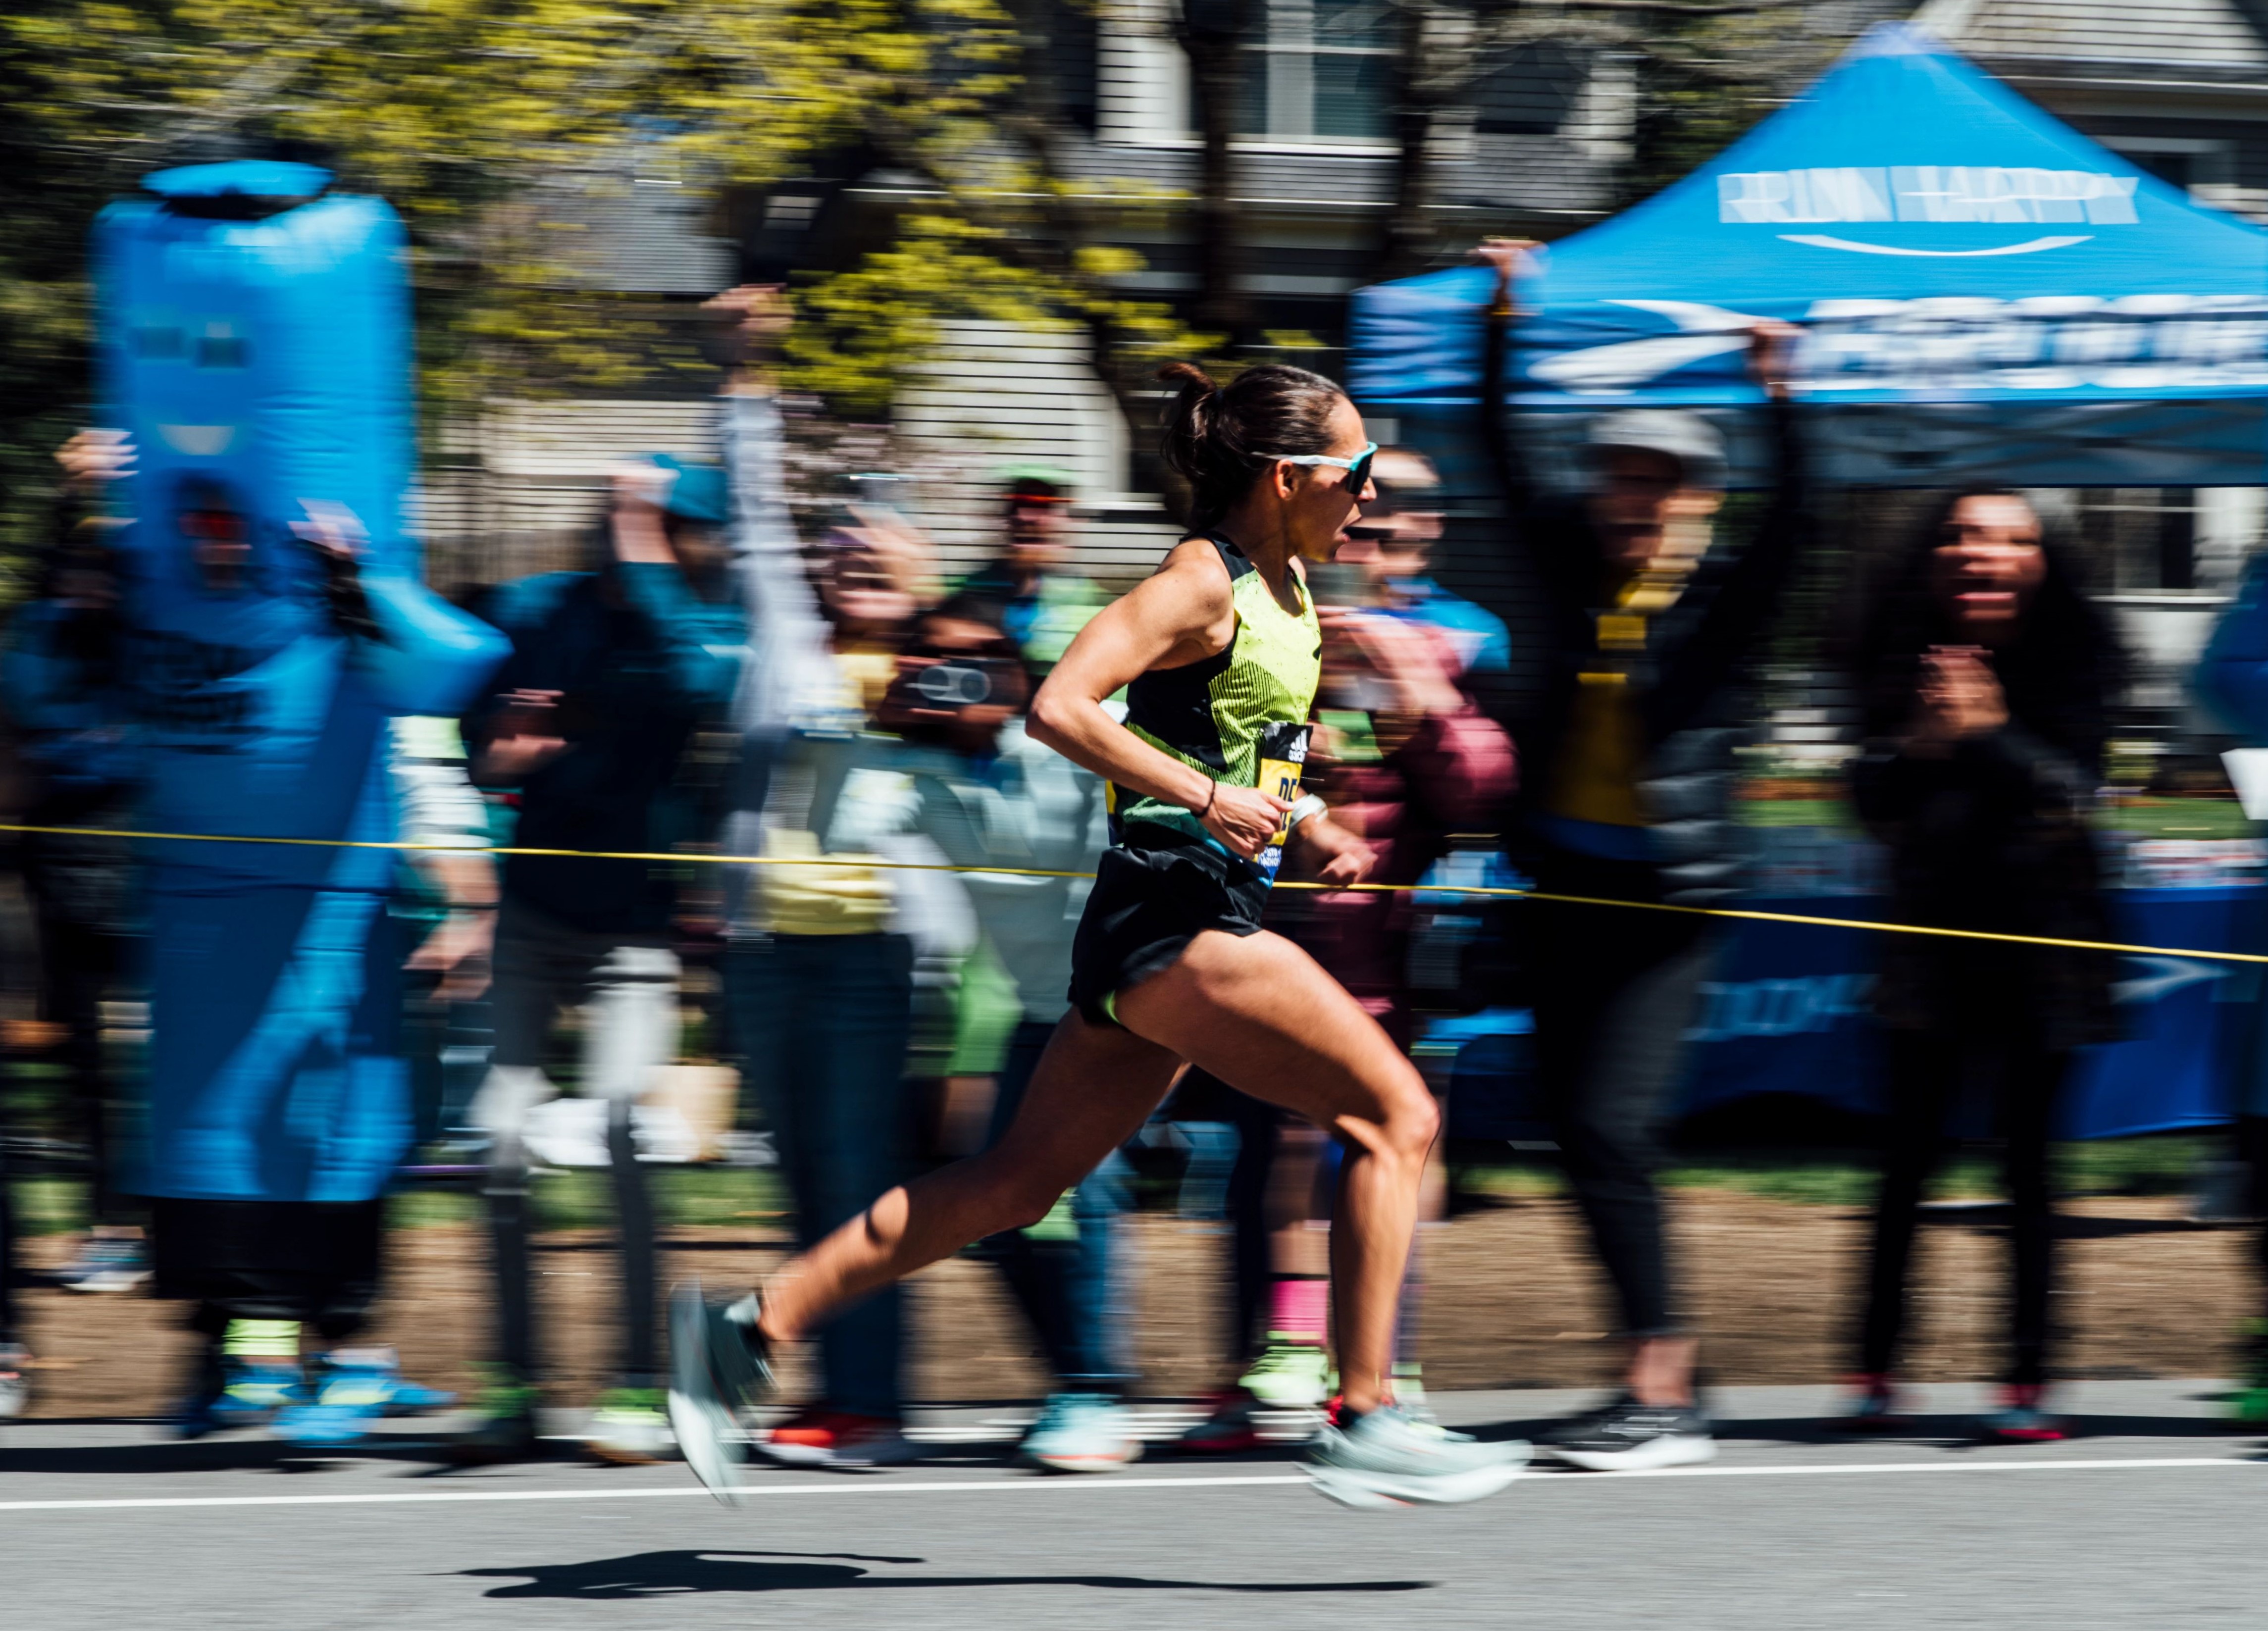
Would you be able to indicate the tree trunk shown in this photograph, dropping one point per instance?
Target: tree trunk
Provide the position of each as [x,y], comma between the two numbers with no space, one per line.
[1212,34]
[1407,245]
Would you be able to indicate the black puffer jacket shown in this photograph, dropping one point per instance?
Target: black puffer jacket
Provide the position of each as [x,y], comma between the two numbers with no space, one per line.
[1694,713]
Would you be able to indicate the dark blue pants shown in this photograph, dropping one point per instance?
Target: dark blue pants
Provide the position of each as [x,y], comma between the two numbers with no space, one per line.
[821,1022]
[1070,1291]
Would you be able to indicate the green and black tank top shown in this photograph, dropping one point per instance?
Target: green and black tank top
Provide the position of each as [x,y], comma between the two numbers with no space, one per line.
[1240,717]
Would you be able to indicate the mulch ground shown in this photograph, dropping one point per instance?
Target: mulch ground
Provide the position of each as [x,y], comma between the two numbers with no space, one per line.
[1511,1301]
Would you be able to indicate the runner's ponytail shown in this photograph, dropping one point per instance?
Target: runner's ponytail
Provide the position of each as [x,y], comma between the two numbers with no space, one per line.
[1218,438]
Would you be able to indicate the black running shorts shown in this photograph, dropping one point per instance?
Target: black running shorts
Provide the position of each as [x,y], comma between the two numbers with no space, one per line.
[1146,905]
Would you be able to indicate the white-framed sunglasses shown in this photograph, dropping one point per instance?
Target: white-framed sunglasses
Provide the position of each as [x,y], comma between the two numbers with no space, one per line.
[1358,468]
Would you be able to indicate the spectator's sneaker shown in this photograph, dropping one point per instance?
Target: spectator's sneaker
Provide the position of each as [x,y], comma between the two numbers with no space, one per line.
[1290,1376]
[1387,1458]
[353,1390]
[114,1259]
[1627,1437]
[412,1399]
[2249,1404]
[1875,1406]
[840,1438]
[253,1390]
[718,1366]
[505,1428]
[2021,1419]
[629,1426]
[15,1380]
[1228,1429]
[1082,1433]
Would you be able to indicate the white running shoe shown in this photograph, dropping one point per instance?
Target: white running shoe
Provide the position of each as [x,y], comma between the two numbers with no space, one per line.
[1387,1458]
[15,1380]
[114,1259]
[1082,1433]
[716,1369]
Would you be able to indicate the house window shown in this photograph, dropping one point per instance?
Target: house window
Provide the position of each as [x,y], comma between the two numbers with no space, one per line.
[2142,538]
[1322,73]
[2199,166]
[1530,90]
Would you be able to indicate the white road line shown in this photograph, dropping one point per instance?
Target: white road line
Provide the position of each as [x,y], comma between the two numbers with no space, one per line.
[912,1487]
[1800,1468]
[836,1487]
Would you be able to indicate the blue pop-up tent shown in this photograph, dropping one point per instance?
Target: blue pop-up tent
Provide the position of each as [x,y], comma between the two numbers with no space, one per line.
[1982,287]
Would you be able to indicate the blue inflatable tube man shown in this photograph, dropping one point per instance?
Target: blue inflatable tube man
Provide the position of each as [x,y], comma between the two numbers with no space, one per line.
[256,344]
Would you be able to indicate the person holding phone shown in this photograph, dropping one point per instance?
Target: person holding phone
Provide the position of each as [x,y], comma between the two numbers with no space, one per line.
[1986,677]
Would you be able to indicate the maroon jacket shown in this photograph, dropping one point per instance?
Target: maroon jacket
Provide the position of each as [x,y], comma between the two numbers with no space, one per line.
[1451,774]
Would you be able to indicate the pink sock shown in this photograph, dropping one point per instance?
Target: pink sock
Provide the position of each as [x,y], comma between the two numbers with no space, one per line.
[1298,1308]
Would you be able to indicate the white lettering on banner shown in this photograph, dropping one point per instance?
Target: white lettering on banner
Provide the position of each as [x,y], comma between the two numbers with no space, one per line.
[1982,193]
[2158,342]
[2042,344]
[1814,1002]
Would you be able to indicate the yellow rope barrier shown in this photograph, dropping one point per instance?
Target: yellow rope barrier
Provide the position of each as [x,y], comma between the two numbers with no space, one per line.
[880,864]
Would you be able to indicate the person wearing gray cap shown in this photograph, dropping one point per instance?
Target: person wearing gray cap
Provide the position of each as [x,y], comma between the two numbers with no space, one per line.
[1627,783]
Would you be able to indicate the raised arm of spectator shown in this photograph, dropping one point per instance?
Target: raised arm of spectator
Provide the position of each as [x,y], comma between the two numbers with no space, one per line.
[702,645]
[1747,593]
[786,634]
[1507,459]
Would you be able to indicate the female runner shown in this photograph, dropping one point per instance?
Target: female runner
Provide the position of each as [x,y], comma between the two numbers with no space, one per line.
[1220,653]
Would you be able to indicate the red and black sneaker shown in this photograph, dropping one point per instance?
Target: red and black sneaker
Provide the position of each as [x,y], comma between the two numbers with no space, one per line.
[1875,1406]
[2021,1419]
[1228,1429]
[840,1438]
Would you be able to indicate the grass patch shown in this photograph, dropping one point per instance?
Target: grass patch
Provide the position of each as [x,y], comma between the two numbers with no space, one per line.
[2158,1164]
[688,1197]
[2147,817]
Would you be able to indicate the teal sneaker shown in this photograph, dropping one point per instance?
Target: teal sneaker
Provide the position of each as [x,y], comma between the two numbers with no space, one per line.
[718,1367]
[253,1390]
[1082,1433]
[352,1390]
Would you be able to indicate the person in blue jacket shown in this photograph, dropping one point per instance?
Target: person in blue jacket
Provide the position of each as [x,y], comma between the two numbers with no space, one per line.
[612,671]
[255,666]
[2231,682]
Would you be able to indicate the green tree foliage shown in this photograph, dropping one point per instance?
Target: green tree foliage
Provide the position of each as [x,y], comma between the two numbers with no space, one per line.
[467,114]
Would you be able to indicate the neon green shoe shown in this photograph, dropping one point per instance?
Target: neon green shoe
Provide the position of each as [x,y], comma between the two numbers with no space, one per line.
[2249,1404]
[1289,1375]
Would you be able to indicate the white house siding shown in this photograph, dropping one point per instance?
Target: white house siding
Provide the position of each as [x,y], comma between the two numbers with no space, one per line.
[519,493]
[995,394]
[1142,82]
[2211,33]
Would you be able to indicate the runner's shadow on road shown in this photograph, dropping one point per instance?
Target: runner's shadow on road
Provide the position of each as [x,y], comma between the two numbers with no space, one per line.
[1959,1430]
[227,1455]
[682,1574]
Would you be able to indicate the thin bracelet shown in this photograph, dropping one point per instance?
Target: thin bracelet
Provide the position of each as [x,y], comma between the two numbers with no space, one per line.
[1211,787]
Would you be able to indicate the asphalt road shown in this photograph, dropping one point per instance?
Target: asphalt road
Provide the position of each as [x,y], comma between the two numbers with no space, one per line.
[2152,1518]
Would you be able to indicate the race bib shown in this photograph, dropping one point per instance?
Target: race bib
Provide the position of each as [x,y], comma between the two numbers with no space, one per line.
[1283,754]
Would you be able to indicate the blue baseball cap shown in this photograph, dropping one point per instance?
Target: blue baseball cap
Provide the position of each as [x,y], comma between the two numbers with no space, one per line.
[699,493]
